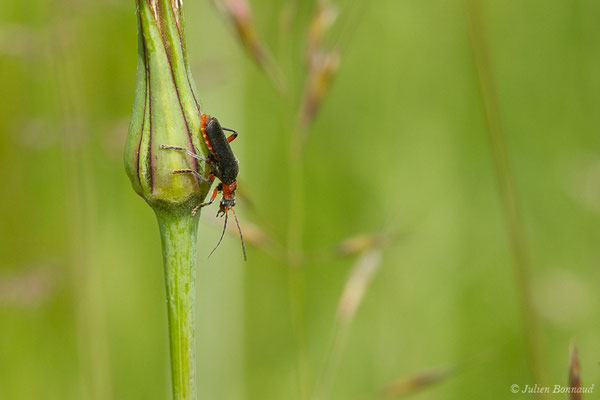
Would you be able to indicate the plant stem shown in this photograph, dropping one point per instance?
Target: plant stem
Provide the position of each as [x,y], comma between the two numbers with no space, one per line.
[179,243]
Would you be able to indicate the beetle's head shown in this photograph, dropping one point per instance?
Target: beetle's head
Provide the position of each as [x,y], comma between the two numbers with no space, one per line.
[225,205]
[228,200]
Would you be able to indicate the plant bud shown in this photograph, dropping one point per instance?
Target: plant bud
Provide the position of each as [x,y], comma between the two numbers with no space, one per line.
[165,112]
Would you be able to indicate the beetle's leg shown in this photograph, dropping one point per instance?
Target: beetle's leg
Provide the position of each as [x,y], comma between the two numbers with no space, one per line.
[212,198]
[210,178]
[186,151]
[233,135]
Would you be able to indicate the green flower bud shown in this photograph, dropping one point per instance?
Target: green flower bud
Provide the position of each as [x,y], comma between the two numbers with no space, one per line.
[165,112]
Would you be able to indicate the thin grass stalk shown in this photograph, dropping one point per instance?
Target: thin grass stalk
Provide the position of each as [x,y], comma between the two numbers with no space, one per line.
[417,382]
[506,187]
[296,267]
[317,83]
[240,14]
[294,245]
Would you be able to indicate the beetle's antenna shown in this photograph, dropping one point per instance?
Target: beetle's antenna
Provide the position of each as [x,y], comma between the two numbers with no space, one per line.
[222,234]
[240,231]
[229,130]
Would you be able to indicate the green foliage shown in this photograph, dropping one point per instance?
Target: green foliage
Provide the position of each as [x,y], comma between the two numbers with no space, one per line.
[399,146]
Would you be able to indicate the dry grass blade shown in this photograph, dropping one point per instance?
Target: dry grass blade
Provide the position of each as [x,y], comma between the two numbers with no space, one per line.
[574,375]
[323,66]
[323,63]
[322,21]
[240,14]
[360,243]
[356,285]
[19,40]
[410,384]
[419,381]
[29,288]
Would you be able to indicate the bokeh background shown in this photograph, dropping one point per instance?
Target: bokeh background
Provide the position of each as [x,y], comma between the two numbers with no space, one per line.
[399,149]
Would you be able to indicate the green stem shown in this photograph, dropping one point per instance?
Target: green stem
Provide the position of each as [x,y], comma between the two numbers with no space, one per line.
[179,243]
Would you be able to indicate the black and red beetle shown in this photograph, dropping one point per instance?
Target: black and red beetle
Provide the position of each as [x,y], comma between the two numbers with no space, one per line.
[222,164]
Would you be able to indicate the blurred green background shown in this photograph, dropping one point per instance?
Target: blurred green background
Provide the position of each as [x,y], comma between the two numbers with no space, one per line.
[399,147]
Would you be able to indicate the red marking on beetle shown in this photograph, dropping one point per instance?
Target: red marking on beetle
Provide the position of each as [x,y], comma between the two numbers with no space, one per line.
[229,191]
[214,195]
[203,122]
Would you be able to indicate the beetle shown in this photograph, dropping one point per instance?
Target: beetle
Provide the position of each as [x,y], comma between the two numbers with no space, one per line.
[223,165]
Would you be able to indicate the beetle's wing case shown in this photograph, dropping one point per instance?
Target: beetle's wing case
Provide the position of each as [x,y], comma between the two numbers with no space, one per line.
[226,161]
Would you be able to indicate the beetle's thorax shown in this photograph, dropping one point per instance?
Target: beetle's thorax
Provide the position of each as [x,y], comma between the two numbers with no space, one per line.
[229,190]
